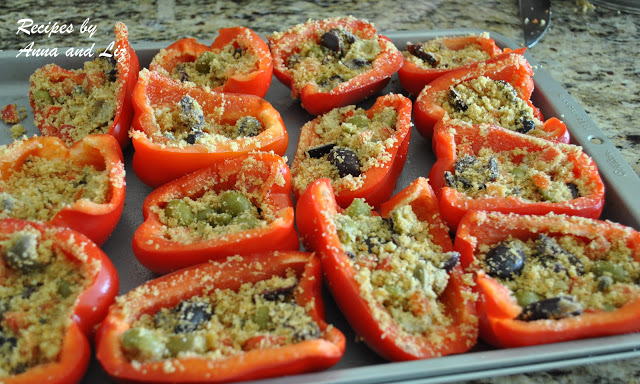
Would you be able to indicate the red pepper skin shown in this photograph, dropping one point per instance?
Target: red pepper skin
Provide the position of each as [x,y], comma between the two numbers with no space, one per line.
[256,82]
[349,92]
[314,220]
[413,77]
[509,66]
[309,355]
[161,255]
[497,308]
[454,204]
[128,68]
[91,306]
[156,164]
[96,221]
[380,182]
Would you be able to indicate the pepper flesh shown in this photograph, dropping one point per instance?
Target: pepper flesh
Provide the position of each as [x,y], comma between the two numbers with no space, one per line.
[497,309]
[379,181]
[90,308]
[349,92]
[128,68]
[155,163]
[256,82]
[414,77]
[509,66]
[308,355]
[454,204]
[315,210]
[96,221]
[163,255]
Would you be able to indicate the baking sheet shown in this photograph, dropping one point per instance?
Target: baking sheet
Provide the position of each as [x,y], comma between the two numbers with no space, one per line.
[361,365]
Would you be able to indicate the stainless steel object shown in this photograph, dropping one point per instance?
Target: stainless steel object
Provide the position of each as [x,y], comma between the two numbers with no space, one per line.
[631,6]
[535,16]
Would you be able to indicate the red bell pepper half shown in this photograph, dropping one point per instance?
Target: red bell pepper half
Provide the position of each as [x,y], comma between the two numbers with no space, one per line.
[155,162]
[90,308]
[414,77]
[255,82]
[308,355]
[497,307]
[95,220]
[126,61]
[314,218]
[314,100]
[454,142]
[379,181]
[510,67]
[265,179]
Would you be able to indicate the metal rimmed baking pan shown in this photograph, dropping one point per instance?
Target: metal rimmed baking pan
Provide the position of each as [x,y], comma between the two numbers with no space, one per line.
[361,365]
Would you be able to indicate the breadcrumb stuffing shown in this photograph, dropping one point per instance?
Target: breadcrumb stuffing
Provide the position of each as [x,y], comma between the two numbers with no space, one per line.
[599,276]
[546,175]
[441,56]
[39,287]
[350,129]
[399,269]
[486,101]
[222,323]
[41,187]
[214,67]
[328,55]
[77,105]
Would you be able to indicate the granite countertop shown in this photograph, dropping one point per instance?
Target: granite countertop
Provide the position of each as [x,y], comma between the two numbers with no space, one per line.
[592,53]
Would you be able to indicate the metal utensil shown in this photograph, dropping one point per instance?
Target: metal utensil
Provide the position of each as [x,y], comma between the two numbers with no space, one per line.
[535,16]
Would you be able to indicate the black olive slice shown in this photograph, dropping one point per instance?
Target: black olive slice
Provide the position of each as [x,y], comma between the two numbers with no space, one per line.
[388,222]
[311,331]
[554,308]
[548,251]
[505,260]
[466,183]
[331,82]
[249,126]
[279,294]
[333,41]
[493,169]
[112,71]
[319,151]
[184,76]
[449,179]
[524,125]
[418,51]
[9,341]
[451,261]
[456,100]
[575,193]
[348,37]
[345,160]
[190,314]
[193,137]
[463,163]
[191,113]
[30,290]
[356,63]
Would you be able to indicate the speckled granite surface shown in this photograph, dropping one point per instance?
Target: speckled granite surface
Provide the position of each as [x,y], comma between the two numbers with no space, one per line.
[593,54]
